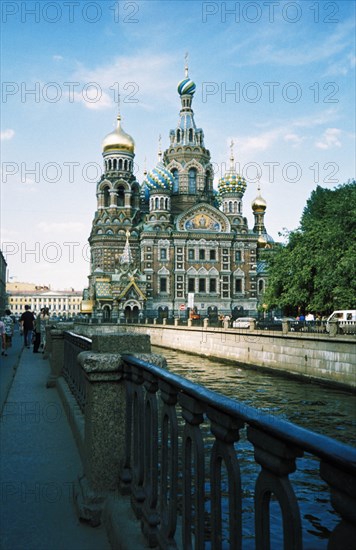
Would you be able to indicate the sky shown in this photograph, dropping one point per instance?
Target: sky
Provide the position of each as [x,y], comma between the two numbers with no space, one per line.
[276,77]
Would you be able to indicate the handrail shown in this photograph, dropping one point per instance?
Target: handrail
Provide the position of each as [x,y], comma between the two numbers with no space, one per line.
[322,446]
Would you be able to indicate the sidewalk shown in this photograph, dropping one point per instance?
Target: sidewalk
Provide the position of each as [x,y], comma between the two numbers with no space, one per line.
[39,463]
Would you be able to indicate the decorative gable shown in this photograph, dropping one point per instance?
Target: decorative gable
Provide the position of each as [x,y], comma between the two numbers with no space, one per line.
[203,217]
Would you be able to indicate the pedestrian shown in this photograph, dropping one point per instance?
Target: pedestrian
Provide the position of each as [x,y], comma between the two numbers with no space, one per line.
[2,336]
[9,330]
[27,320]
[37,332]
[44,323]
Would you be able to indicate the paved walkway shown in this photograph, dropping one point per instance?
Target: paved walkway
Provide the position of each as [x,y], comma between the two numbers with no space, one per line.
[38,464]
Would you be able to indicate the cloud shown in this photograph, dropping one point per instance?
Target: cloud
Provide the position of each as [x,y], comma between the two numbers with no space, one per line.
[294,139]
[329,139]
[57,58]
[7,134]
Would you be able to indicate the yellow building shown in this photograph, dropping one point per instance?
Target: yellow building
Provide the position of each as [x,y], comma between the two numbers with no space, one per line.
[61,303]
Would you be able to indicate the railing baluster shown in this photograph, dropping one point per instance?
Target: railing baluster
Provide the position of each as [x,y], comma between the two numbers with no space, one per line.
[226,431]
[343,498]
[138,417]
[277,460]
[169,467]
[150,518]
[194,474]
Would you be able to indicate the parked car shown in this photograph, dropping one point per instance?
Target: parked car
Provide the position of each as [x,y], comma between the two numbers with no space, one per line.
[242,322]
[346,320]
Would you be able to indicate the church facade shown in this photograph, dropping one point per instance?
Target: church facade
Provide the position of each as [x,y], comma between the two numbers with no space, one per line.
[173,245]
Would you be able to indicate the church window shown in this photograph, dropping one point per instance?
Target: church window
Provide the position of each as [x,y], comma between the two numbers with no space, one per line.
[201,254]
[202,285]
[212,254]
[163,284]
[163,254]
[190,134]
[178,136]
[192,181]
[230,206]
[115,164]
[191,254]
[120,164]
[238,285]
[120,196]
[261,285]
[175,182]
[125,165]
[156,203]
[238,256]
[106,197]
[212,285]
[191,284]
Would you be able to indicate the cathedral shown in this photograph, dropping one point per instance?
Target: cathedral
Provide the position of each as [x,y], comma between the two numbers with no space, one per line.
[173,245]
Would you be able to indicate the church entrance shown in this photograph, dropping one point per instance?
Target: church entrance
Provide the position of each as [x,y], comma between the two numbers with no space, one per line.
[106,313]
[132,311]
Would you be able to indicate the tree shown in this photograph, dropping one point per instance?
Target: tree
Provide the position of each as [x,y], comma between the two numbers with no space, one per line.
[315,270]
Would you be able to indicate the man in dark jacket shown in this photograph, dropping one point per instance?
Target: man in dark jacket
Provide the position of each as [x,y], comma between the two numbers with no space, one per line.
[26,320]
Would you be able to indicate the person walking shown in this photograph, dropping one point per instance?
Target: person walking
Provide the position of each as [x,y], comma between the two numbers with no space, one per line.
[2,336]
[44,323]
[37,332]
[9,330]
[27,320]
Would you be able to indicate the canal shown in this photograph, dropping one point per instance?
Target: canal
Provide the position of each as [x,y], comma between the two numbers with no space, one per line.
[318,408]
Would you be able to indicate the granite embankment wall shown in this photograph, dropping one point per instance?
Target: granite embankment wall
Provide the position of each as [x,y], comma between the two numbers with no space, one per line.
[318,357]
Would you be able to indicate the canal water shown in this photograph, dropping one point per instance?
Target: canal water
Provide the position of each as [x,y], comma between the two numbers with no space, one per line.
[318,408]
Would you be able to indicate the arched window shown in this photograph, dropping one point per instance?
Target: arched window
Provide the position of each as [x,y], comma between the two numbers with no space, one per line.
[115,164]
[230,206]
[176,180]
[120,196]
[261,286]
[109,164]
[178,136]
[156,203]
[192,181]
[106,196]
[125,165]
[120,164]
[190,135]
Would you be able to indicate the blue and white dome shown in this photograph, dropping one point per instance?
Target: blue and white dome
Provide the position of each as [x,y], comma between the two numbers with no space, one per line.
[186,86]
[159,179]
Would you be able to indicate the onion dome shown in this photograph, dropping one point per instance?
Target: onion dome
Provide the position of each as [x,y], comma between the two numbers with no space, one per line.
[118,140]
[159,179]
[232,182]
[186,86]
[259,204]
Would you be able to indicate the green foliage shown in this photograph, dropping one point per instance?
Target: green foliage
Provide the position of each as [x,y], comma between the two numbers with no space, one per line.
[315,271]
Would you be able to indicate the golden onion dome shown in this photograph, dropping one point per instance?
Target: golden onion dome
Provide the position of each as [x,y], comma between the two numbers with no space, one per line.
[262,241]
[118,140]
[259,204]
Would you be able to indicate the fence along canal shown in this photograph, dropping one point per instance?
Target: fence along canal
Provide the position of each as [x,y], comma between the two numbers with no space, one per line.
[206,456]
[330,412]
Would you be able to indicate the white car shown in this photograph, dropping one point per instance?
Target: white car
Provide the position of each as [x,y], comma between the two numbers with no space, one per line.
[242,322]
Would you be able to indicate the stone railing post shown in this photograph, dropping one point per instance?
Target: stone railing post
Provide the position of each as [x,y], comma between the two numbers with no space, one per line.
[104,417]
[205,322]
[253,325]
[56,356]
[176,321]
[285,327]
[225,324]
[190,322]
[155,321]
[164,321]
[333,327]
[146,321]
